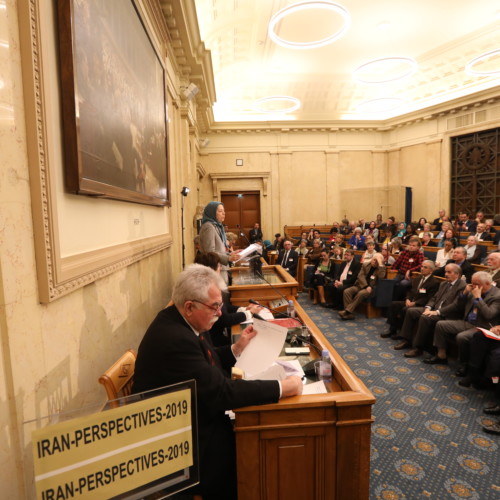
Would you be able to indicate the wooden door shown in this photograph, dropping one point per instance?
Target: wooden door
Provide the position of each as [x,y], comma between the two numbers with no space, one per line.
[242,212]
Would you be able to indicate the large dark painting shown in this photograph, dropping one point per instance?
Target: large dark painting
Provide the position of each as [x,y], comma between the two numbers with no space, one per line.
[113,103]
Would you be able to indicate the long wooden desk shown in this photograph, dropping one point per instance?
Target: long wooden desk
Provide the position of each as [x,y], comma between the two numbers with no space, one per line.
[244,287]
[313,447]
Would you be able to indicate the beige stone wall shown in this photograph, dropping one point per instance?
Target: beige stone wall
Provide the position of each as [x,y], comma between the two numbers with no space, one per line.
[51,355]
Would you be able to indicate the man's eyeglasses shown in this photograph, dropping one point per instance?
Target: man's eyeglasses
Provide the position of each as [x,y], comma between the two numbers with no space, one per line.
[215,307]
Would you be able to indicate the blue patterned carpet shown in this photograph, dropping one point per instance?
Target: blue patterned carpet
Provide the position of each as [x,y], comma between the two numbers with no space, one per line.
[427,440]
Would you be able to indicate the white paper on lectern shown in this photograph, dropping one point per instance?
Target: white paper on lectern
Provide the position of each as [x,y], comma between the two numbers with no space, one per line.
[248,250]
[263,349]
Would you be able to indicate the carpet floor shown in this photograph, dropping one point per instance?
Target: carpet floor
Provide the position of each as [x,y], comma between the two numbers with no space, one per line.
[427,440]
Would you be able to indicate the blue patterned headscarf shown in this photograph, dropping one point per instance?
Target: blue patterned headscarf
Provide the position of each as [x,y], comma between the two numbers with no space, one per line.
[209,215]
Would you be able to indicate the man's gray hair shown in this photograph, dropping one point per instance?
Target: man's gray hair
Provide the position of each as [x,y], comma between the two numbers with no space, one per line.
[455,268]
[193,284]
[463,250]
[430,263]
[483,277]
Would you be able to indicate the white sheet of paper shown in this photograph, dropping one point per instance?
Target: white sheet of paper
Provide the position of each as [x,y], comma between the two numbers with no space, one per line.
[291,367]
[314,388]
[248,250]
[274,372]
[263,349]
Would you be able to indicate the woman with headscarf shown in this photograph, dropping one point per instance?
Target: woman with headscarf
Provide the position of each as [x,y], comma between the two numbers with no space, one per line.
[213,236]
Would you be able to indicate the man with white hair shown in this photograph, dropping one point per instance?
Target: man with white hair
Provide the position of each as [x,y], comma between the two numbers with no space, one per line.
[174,349]
[481,234]
[473,250]
[479,304]
[494,267]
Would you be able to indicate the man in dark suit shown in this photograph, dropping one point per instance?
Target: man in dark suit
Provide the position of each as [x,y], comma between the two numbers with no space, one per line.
[345,277]
[459,258]
[425,318]
[422,290]
[174,349]
[464,225]
[481,234]
[255,233]
[288,258]
[438,222]
[479,304]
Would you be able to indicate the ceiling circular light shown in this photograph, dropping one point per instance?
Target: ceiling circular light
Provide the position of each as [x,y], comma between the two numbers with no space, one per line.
[306,5]
[385,70]
[260,104]
[482,59]
[380,105]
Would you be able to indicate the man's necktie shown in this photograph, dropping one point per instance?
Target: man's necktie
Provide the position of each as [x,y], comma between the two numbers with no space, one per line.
[206,348]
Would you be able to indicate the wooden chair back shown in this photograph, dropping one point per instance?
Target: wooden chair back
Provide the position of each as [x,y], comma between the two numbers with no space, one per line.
[117,379]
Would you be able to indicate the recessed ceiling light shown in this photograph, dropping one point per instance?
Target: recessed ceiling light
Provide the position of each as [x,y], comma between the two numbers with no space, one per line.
[490,62]
[385,70]
[275,104]
[380,105]
[297,7]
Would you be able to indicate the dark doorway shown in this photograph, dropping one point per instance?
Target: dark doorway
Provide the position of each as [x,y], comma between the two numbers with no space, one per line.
[242,212]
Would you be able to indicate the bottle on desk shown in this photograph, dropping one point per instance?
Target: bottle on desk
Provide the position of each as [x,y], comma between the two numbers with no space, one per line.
[325,367]
[290,311]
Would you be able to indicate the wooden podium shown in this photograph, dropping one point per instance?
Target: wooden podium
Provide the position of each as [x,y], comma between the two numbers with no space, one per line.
[314,447]
[277,283]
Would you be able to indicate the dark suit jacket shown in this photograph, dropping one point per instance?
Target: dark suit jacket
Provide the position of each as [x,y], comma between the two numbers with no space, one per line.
[476,257]
[488,309]
[437,224]
[171,352]
[291,264]
[422,295]
[483,237]
[254,235]
[352,274]
[445,297]
[229,317]
[467,270]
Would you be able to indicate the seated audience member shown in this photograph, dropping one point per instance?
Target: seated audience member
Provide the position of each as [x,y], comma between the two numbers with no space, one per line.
[448,235]
[303,236]
[481,234]
[174,349]
[345,276]
[357,240]
[423,288]
[459,258]
[389,224]
[426,318]
[335,228]
[473,250]
[493,262]
[421,224]
[444,227]
[494,234]
[370,238]
[255,233]
[386,238]
[344,228]
[407,262]
[368,277]
[445,254]
[401,231]
[362,224]
[337,252]
[464,225]
[378,220]
[427,239]
[369,252]
[396,246]
[314,253]
[230,315]
[302,249]
[479,218]
[386,255]
[484,364]
[232,239]
[278,242]
[288,258]
[372,231]
[479,305]
[439,220]
[323,275]
[427,229]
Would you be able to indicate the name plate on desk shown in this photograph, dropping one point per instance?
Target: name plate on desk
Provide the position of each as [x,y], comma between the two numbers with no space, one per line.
[116,453]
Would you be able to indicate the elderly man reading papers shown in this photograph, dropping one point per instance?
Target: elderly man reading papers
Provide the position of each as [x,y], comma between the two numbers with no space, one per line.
[175,349]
